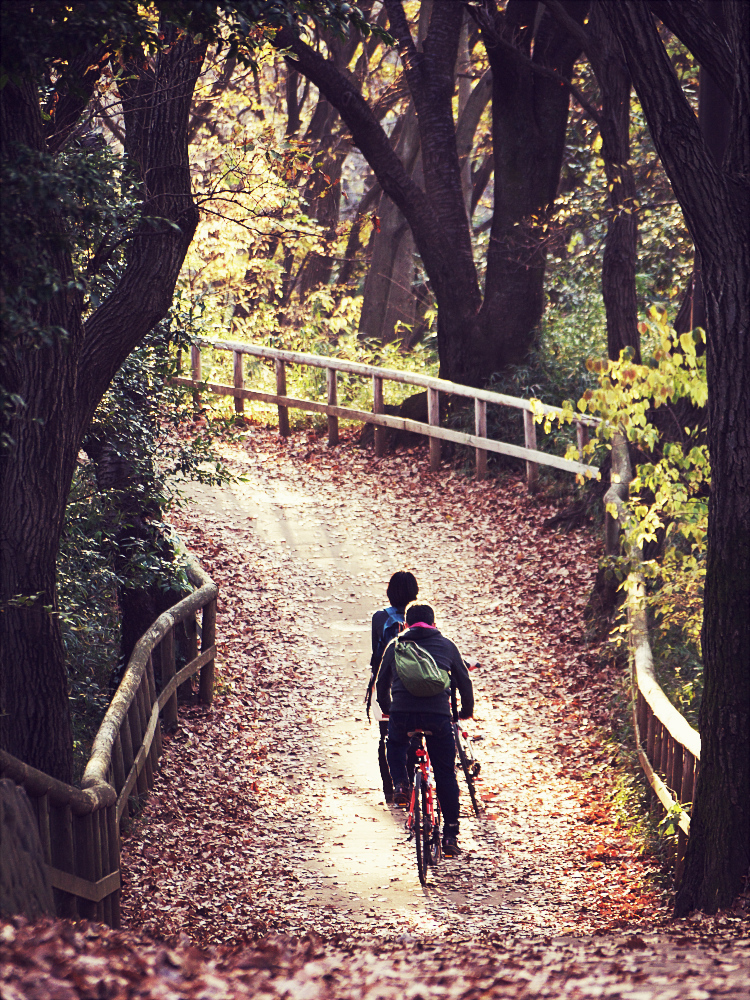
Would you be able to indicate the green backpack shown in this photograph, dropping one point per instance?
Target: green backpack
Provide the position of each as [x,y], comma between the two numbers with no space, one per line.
[418,671]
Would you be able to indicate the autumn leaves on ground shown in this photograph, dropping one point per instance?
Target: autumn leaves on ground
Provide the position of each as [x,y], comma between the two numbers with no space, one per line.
[267,843]
[236,842]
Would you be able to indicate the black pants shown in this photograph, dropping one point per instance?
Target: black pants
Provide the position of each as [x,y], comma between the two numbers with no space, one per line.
[385,773]
[442,750]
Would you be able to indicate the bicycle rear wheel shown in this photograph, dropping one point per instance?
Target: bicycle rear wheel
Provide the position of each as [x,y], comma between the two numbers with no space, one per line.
[419,821]
[432,838]
[467,766]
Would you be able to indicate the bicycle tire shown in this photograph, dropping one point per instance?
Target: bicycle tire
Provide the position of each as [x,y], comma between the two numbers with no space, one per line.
[467,768]
[435,850]
[419,820]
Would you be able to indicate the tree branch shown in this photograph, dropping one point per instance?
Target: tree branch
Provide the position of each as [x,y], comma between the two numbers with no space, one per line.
[469,120]
[671,120]
[689,21]
[73,99]
[157,109]
[375,146]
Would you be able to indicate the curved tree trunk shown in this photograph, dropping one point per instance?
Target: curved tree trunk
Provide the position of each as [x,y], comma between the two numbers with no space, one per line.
[530,110]
[715,199]
[63,381]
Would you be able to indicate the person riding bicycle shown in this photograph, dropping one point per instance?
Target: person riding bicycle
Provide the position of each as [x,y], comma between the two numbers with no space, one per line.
[407,712]
[402,589]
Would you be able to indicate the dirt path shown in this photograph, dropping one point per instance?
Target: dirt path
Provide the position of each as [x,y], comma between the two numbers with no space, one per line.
[279,823]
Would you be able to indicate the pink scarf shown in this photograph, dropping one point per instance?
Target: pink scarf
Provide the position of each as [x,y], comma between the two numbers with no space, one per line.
[421,625]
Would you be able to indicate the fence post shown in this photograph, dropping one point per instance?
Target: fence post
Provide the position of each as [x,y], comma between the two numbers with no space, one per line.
[141,700]
[169,712]
[113,842]
[333,422]
[195,365]
[150,702]
[128,753]
[239,381]
[480,429]
[378,407]
[85,867]
[281,391]
[529,434]
[185,690]
[133,720]
[208,637]
[119,773]
[582,437]
[62,849]
[433,419]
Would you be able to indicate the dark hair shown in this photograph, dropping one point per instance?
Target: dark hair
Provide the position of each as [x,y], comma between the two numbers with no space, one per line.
[420,613]
[402,589]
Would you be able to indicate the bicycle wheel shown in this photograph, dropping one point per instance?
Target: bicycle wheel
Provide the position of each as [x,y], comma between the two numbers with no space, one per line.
[419,821]
[434,847]
[467,767]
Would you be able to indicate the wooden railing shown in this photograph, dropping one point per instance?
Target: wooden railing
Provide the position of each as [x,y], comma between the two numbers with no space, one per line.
[381,420]
[668,747]
[79,828]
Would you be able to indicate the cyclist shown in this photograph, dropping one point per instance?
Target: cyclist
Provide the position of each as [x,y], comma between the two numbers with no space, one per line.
[386,623]
[408,712]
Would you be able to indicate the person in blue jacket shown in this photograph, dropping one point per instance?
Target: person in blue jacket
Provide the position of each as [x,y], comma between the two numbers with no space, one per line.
[402,589]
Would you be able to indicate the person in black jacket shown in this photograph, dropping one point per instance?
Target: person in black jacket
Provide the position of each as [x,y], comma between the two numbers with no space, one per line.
[407,712]
[402,589]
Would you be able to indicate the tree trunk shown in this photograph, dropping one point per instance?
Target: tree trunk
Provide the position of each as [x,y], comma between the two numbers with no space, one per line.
[63,382]
[719,847]
[388,298]
[716,202]
[529,123]
[620,248]
[35,475]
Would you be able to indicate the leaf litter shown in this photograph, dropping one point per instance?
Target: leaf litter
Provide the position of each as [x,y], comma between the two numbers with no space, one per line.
[266,842]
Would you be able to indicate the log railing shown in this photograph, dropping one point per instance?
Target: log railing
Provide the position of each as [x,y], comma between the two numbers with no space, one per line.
[381,420]
[80,827]
[668,747]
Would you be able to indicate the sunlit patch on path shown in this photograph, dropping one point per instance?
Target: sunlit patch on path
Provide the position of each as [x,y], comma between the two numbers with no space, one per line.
[271,815]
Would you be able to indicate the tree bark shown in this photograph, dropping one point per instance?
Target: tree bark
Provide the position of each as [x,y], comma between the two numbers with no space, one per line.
[620,248]
[529,123]
[716,203]
[63,381]
[388,298]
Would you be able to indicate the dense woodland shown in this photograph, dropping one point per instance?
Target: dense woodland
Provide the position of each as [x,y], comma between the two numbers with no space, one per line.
[550,199]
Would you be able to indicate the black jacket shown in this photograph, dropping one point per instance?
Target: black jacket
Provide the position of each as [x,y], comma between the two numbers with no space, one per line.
[392,695]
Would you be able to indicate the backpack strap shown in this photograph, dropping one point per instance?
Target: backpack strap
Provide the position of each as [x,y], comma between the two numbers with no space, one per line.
[393,617]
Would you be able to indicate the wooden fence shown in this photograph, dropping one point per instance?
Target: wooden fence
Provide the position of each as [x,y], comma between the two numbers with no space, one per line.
[80,827]
[668,747]
[381,420]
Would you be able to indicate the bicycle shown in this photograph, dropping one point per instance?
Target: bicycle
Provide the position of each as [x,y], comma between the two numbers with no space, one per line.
[423,819]
[469,764]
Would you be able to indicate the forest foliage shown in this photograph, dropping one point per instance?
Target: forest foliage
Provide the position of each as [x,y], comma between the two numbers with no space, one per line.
[292,224]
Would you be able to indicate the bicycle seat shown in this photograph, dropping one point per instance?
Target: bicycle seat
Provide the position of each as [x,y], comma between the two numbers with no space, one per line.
[419,732]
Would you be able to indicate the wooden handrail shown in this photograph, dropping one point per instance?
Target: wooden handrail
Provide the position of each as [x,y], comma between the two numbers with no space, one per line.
[100,761]
[80,827]
[479,441]
[393,375]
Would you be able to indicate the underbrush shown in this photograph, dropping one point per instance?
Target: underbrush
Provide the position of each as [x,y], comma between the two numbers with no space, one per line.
[114,543]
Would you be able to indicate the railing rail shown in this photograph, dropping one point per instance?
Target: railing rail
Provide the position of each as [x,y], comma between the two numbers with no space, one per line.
[381,420]
[80,827]
[668,747]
